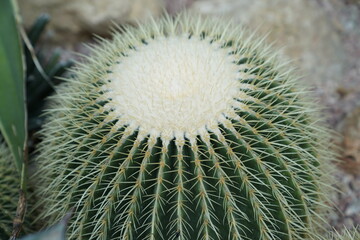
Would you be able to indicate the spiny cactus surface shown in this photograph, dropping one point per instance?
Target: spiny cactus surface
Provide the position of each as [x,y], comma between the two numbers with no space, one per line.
[346,234]
[183,128]
[9,191]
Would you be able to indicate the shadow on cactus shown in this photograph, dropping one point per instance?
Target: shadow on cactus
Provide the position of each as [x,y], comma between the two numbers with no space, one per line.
[183,128]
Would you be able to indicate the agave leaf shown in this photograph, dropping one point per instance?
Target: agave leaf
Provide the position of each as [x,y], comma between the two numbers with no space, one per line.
[12,96]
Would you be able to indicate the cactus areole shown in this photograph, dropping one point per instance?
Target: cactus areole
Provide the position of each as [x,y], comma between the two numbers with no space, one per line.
[182,128]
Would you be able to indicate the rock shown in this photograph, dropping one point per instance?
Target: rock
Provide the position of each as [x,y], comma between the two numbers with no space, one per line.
[94,16]
[350,160]
[301,27]
[174,6]
[353,209]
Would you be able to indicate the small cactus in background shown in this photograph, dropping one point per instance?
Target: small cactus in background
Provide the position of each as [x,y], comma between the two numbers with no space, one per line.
[183,128]
[9,191]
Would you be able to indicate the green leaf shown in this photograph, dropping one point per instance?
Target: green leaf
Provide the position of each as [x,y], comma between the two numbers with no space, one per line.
[57,232]
[12,94]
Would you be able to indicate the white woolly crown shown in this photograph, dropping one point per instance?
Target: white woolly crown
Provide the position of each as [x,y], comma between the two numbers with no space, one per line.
[174,86]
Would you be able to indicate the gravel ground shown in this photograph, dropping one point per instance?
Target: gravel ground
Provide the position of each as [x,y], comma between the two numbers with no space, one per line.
[343,112]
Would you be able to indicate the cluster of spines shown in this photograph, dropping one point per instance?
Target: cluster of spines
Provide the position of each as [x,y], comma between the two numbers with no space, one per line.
[345,234]
[257,175]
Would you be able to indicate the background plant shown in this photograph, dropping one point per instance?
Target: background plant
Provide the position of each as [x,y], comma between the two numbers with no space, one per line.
[13,115]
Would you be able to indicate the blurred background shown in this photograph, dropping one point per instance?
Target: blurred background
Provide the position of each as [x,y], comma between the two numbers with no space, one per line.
[321,37]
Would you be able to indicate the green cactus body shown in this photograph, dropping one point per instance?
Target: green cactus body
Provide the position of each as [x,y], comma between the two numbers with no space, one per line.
[9,191]
[183,128]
